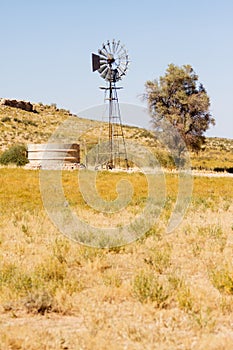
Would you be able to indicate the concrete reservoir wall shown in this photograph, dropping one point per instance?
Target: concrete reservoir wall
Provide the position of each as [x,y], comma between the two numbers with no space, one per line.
[53,154]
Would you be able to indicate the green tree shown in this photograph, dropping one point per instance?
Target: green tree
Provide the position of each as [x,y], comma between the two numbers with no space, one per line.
[178,98]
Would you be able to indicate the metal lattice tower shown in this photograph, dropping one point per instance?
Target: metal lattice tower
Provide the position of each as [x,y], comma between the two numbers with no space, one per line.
[112,64]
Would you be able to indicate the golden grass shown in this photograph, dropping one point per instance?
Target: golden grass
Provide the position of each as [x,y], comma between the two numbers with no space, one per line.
[162,292]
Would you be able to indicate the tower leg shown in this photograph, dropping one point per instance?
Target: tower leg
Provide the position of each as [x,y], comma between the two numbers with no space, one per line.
[117,146]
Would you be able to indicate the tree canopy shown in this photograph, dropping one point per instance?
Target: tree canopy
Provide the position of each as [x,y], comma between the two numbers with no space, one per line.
[178,98]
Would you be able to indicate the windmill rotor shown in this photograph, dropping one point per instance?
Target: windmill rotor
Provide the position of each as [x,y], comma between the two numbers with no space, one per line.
[111,62]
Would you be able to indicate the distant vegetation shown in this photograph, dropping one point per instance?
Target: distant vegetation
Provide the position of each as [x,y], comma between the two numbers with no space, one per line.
[22,127]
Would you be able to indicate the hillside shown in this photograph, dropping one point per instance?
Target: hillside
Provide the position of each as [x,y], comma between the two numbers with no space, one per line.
[20,126]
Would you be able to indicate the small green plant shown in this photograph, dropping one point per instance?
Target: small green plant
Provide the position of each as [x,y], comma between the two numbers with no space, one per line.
[5,119]
[111,278]
[29,122]
[17,120]
[159,257]
[147,288]
[204,319]
[222,279]
[15,155]
[182,292]
[61,249]
[51,272]
[13,277]
[184,298]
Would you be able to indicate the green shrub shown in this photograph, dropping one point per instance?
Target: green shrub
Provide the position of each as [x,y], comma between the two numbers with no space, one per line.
[6,119]
[15,155]
[13,277]
[17,120]
[29,122]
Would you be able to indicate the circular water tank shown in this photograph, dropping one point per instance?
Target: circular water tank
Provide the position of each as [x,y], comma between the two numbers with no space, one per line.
[52,155]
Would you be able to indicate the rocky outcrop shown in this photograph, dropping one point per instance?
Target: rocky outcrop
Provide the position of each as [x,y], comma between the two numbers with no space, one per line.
[26,106]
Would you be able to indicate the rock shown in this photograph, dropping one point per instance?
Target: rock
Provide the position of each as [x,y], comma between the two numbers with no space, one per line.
[26,106]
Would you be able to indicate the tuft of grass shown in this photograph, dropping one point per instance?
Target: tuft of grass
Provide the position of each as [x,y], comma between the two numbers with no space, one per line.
[184,298]
[148,288]
[159,257]
[181,292]
[61,249]
[51,271]
[222,278]
[112,278]
[12,277]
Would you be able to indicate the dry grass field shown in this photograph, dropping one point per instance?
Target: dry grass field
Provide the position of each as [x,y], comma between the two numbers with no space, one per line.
[164,291]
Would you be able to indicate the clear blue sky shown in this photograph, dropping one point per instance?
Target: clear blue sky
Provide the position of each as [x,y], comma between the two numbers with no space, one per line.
[46,49]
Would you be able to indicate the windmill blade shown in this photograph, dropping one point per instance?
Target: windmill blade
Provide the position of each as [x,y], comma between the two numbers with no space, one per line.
[95,62]
[102,68]
[109,46]
[122,52]
[123,64]
[103,62]
[126,67]
[105,73]
[122,55]
[120,49]
[113,46]
[103,59]
[104,49]
[122,72]
[101,52]
[117,46]
[127,59]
